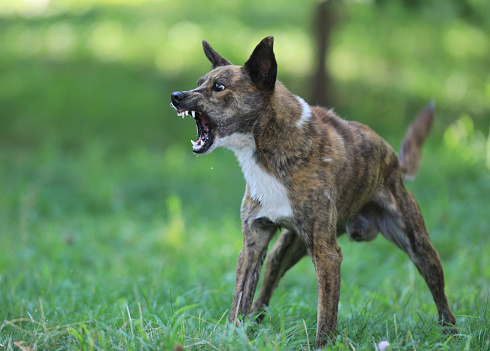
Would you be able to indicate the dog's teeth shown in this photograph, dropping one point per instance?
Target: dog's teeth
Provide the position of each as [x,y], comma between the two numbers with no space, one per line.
[193,142]
[187,113]
[193,113]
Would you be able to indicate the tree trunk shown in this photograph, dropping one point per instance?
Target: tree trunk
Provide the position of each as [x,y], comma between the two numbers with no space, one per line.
[322,93]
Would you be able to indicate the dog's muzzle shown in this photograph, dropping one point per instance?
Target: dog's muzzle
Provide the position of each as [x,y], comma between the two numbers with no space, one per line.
[203,123]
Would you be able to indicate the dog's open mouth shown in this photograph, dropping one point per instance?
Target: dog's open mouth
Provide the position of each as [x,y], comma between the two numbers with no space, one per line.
[204,130]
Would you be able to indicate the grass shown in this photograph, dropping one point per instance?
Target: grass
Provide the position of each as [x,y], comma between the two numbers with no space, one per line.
[137,251]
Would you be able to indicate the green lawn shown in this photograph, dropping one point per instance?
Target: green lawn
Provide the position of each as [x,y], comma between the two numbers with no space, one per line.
[114,236]
[136,250]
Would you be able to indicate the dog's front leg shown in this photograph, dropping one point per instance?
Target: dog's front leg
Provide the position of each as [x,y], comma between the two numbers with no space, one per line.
[327,257]
[327,267]
[256,236]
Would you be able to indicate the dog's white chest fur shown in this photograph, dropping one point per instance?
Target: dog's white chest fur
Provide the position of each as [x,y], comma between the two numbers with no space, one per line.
[264,187]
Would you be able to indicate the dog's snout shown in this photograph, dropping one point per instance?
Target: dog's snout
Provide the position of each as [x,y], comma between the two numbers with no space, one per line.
[177,97]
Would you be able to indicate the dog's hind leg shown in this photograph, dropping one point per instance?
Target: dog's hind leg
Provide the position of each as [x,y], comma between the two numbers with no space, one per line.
[286,252]
[402,223]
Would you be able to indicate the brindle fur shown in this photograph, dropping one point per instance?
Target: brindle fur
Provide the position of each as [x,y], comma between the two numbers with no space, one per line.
[340,177]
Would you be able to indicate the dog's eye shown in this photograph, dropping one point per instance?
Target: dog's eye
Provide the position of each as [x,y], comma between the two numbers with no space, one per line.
[218,87]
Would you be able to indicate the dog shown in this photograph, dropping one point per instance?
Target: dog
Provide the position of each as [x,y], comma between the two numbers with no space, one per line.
[311,173]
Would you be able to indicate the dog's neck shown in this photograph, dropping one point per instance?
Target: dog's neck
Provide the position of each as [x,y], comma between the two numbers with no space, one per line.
[281,138]
[285,138]
[280,142]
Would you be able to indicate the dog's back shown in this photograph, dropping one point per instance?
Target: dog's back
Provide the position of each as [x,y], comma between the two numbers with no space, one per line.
[361,160]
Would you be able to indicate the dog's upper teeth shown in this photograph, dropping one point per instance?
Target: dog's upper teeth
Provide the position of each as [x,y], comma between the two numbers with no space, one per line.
[186,113]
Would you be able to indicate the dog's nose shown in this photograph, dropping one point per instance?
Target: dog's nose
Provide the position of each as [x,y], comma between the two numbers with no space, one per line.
[177,98]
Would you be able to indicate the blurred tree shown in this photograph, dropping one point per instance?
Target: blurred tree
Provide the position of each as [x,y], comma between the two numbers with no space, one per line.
[324,21]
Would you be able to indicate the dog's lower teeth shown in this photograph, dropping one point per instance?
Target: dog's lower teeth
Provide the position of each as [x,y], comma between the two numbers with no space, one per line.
[193,143]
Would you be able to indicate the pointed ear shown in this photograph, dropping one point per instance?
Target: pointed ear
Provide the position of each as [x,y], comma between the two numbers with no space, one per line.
[215,58]
[262,65]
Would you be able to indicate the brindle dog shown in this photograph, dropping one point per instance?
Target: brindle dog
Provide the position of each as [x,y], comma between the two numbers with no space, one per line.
[312,173]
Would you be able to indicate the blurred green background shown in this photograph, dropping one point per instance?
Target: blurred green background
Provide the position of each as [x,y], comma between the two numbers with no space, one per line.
[100,194]
[73,72]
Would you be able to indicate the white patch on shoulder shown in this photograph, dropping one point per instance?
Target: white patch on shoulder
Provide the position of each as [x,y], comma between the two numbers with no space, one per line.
[264,187]
[305,114]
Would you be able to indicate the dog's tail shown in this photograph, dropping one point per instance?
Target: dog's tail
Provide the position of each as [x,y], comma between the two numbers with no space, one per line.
[411,149]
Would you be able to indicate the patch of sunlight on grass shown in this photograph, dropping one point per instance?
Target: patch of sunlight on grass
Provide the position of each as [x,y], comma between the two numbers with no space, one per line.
[298,62]
[344,65]
[462,40]
[466,142]
[107,40]
[24,7]
[150,31]
[347,65]
[456,86]
[103,2]
[169,63]
[175,230]
[183,48]
[33,8]
[61,40]
[185,35]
